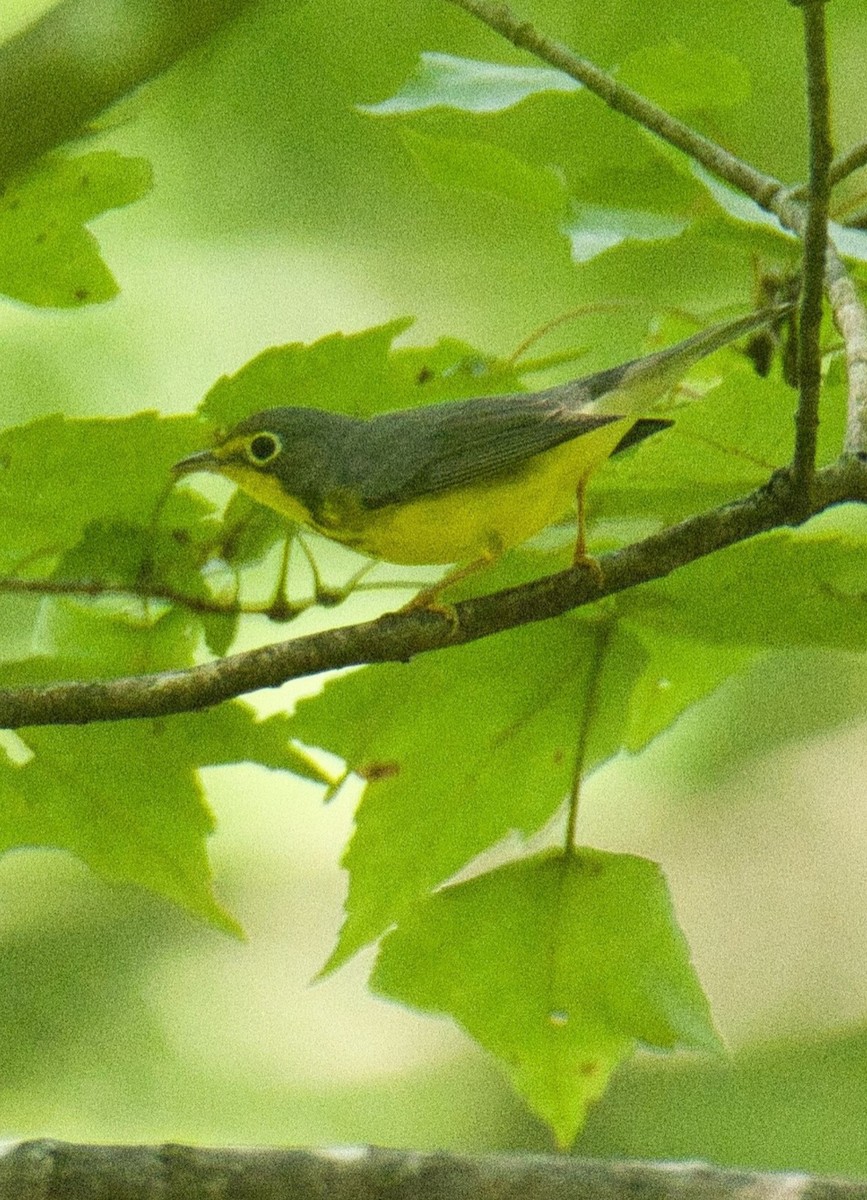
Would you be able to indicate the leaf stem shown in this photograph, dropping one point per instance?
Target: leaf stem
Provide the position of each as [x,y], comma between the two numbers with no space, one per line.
[280,608]
[603,631]
[562,319]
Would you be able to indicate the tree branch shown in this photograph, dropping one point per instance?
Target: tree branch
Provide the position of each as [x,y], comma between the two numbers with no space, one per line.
[39,1169]
[84,55]
[740,174]
[851,321]
[815,238]
[398,637]
[846,164]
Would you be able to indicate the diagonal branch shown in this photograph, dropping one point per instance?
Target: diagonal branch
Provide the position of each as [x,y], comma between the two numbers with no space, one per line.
[764,189]
[399,637]
[846,164]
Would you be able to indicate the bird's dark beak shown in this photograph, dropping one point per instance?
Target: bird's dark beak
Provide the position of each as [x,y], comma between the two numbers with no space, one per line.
[205,460]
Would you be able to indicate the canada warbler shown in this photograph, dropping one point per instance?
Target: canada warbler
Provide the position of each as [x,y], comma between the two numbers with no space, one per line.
[456,482]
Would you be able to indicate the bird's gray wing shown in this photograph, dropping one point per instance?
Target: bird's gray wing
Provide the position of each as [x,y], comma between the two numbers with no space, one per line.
[419,452]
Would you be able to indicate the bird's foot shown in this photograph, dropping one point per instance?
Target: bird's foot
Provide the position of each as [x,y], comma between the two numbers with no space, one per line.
[428,600]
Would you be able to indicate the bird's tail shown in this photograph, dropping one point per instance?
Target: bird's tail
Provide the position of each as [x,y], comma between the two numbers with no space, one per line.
[634,387]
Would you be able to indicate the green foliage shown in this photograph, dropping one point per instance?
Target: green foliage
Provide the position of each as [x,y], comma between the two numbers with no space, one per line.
[593,229]
[485,167]
[339,372]
[47,257]
[126,798]
[534,961]
[150,829]
[461,748]
[116,798]
[75,472]
[645,191]
[444,81]
[557,963]
[249,530]
[679,672]
[440,740]
[683,79]
[355,374]
[819,585]
[724,443]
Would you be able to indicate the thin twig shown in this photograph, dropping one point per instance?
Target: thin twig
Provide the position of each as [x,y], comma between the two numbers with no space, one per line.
[815,239]
[595,667]
[96,589]
[761,187]
[841,168]
[848,163]
[278,608]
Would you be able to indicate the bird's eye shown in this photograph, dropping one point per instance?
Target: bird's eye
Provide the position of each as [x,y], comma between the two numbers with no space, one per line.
[262,448]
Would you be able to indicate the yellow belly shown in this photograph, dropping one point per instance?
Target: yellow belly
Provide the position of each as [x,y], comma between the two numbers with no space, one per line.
[492,516]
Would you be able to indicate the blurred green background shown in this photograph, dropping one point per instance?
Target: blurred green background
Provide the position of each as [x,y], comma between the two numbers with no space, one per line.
[281,213]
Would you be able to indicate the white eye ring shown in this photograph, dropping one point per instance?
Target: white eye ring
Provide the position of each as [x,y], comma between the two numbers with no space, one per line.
[263,447]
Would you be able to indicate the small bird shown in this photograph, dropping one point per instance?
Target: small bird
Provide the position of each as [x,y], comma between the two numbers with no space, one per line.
[462,481]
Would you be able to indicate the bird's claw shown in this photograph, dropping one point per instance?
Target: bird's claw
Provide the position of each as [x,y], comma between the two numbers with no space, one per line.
[428,601]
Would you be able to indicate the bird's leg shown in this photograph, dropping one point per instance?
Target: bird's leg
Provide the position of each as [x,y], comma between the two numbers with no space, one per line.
[428,600]
[581,558]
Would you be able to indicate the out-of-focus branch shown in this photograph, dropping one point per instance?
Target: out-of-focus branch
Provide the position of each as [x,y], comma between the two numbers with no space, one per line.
[852,323]
[37,1170]
[846,164]
[84,55]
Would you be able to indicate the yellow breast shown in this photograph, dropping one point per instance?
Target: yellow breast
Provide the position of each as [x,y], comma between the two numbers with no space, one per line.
[493,515]
[267,490]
